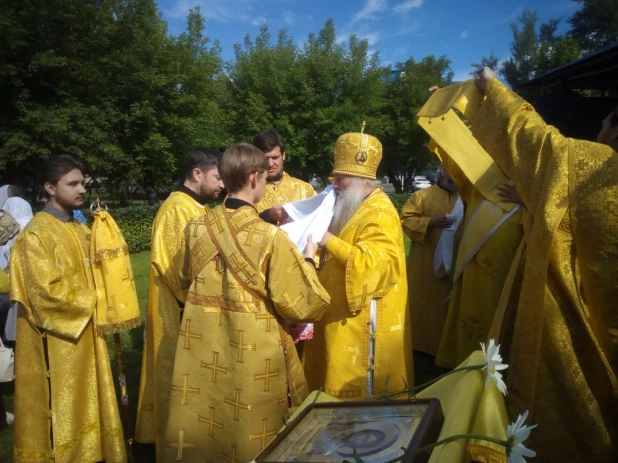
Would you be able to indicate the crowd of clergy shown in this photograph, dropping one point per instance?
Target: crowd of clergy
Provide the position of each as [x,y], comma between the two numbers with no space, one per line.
[525,253]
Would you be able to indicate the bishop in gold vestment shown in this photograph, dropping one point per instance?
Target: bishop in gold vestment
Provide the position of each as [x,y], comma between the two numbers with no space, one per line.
[236,371]
[489,242]
[365,334]
[285,190]
[427,292]
[564,352]
[165,298]
[65,404]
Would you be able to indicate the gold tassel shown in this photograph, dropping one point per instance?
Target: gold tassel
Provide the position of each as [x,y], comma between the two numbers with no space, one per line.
[104,330]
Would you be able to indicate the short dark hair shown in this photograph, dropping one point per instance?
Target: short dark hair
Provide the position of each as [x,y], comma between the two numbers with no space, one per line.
[57,166]
[613,118]
[204,158]
[238,162]
[269,140]
[13,191]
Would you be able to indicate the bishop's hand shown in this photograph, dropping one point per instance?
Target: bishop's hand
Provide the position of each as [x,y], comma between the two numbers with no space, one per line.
[484,75]
[328,235]
[311,248]
[277,213]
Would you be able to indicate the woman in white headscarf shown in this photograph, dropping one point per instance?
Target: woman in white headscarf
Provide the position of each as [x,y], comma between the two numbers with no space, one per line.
[21,211]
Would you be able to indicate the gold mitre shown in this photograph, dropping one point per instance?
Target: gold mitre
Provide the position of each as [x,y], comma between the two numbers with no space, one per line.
[357,154]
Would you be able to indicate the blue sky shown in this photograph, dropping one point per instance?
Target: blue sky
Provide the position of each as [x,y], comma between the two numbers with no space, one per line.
[464,30]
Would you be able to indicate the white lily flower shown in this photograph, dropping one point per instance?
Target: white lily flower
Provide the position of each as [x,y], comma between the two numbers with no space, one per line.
[494,365]
[516,434]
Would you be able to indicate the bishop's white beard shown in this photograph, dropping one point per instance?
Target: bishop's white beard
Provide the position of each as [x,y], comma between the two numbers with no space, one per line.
[347,203]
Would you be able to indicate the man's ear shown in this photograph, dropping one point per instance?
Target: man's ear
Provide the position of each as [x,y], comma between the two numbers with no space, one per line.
[283,156]
[197,174]
[50,189]
[253,180]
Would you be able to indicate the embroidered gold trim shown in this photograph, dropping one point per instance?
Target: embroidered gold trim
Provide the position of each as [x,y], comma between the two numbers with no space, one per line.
[111,254]
[222,303]
[113,328]
[484,454]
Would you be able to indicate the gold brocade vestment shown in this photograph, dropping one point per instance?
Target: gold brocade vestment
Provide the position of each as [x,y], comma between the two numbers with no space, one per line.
[286,190]
[492,229]
[236,371]
[165,294]
[427,291]
[51,279]
[366,261]
[564,352]
[477,291]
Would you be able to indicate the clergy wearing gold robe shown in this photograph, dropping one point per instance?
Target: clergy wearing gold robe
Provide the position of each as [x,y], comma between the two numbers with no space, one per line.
[423,218]
[236,371]
[166,296]
[280,188]
[365,334]
[285,190]
[489,241]
[564,349]
[65,403]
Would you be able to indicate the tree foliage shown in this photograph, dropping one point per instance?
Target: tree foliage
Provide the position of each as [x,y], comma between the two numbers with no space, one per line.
[595,25]
[310,95]
[536,50]
[490,61]
[104,79]
[405,143]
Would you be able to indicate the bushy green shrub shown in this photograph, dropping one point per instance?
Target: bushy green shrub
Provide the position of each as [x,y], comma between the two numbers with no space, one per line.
[399,200]
[135,222]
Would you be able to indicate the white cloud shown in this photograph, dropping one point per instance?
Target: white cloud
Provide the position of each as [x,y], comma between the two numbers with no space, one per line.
[370,11]
[464,34]
[410,25]
[259,21]
[289,18]
[212,10]
[407,6]
[371,37]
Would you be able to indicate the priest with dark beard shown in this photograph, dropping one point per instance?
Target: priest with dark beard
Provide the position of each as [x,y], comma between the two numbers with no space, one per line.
[364,335]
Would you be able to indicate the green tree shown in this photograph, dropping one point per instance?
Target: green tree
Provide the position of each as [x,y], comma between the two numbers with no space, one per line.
[51,84]
[343,88]
[490,61]
[595,25]
[405,143]
[103,80]
[311,96]
[536,51]
[163,88]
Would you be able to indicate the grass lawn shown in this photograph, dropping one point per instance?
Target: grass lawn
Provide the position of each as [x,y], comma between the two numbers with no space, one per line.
[132,346]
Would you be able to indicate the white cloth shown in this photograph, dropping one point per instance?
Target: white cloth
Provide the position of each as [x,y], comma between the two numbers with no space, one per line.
[309,216]
[443,256]
[21,211]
